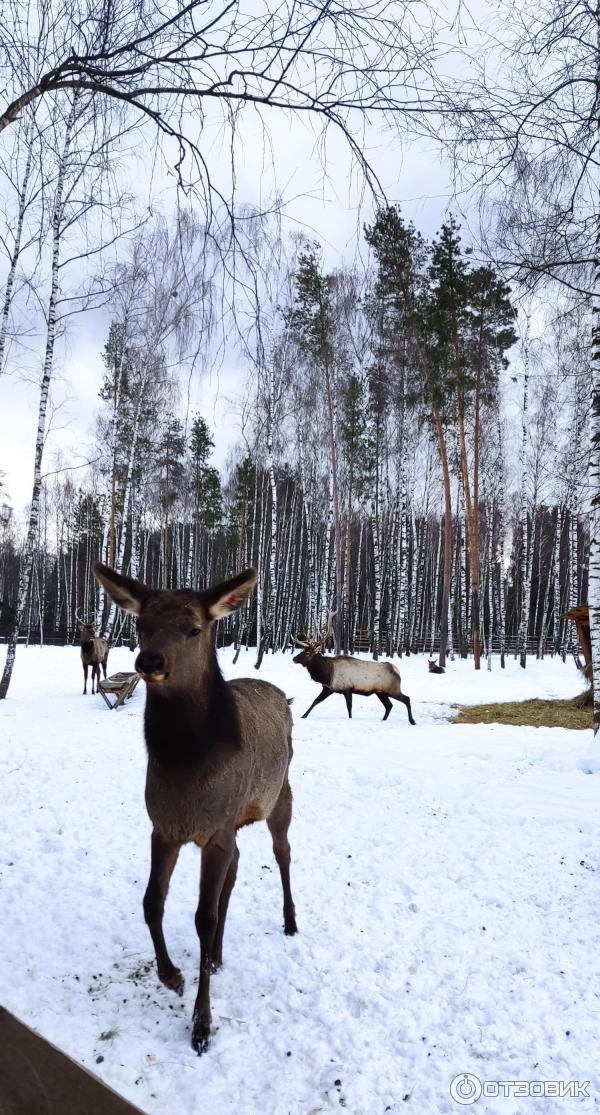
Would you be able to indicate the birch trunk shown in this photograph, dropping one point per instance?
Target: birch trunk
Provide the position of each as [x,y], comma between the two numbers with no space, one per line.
[556,616]
[330,396]
[375,532]
[34,511]
[270,619]
[14,257]
[357,582]
[594,566]
[523,516]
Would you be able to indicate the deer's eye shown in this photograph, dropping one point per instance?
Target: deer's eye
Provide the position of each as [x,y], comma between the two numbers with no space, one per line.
[195,631]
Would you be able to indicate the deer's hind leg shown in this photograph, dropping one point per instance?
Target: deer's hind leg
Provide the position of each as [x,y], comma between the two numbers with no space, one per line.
[279,823]
[164,857]
[228,885]
[406,701]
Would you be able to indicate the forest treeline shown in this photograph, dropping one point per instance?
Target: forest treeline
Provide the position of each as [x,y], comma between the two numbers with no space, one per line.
[412,459]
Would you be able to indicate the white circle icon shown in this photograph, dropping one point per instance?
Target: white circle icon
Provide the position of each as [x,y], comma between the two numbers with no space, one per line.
[465,1088]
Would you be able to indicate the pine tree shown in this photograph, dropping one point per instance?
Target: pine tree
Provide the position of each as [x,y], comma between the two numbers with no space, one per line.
[401,285]
[313,325]
[170,470]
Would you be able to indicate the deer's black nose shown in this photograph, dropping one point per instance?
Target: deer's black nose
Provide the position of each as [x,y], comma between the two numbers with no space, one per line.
[150,662]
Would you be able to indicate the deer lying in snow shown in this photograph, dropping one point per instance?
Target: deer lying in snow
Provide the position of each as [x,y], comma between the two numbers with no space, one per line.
[434,668]
[343,674]
[94,652]
[218,758]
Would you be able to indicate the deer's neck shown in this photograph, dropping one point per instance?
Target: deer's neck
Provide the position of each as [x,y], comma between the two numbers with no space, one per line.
[186,728]
[320,669]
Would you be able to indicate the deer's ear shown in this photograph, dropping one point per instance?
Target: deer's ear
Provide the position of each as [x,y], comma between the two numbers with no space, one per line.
[127,593]
[227,597]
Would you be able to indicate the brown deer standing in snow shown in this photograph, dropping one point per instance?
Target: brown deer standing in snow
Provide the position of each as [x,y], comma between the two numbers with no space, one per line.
[343,674]
[94,652]
[218,758]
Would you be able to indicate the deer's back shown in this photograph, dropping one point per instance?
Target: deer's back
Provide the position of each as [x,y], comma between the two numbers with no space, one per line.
[365,677]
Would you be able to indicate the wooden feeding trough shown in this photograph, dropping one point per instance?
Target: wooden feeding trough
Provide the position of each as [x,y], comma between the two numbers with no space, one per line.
[580,616]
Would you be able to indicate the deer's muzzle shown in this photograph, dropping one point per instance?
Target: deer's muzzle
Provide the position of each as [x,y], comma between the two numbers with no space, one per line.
[151,666]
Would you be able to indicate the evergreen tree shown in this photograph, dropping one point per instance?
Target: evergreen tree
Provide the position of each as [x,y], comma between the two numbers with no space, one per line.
[170,469]
[471,326]
[312,322]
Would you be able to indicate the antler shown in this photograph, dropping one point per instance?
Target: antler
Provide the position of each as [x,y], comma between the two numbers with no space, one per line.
[297,642]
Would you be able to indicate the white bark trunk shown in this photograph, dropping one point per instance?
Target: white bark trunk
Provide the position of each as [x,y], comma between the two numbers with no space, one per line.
[14,258]
[28,553]
[594,566]
[523,518]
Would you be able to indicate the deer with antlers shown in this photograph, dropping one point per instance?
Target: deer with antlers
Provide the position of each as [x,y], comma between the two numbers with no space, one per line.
[344,674]
[94,652]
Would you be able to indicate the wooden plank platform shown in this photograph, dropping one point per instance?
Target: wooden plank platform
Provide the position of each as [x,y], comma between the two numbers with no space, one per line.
[37,1078]
[120,686]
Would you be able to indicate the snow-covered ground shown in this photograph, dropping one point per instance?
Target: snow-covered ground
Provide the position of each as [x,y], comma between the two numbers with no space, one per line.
[447,887]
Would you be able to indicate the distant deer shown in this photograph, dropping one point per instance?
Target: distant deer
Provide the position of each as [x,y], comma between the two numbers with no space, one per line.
[94,652]
[218,758]
[434,668]
[343,674]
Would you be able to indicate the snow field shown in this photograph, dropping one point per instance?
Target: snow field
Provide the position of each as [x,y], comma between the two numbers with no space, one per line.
[446,880]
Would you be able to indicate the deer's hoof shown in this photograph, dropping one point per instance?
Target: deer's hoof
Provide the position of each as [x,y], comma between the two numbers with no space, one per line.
[200,1034]
[175,982]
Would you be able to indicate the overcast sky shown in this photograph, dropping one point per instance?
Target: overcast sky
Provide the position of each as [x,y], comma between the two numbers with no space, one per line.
[327,206]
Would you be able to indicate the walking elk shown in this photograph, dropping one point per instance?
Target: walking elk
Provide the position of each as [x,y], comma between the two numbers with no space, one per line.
[218,758]
[347,675]
[94,652]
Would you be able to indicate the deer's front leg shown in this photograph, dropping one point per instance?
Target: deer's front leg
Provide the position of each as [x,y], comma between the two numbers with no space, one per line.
[164,857]
[323,695]
[216,859]
[85,676]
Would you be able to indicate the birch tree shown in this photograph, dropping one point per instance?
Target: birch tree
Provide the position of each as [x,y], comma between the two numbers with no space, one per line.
[22,170]
[58,216]
[179,72]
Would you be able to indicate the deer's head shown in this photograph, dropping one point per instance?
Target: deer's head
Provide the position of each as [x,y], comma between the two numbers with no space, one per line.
[308,652]
[311,648]
[87,631]
[175,628]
